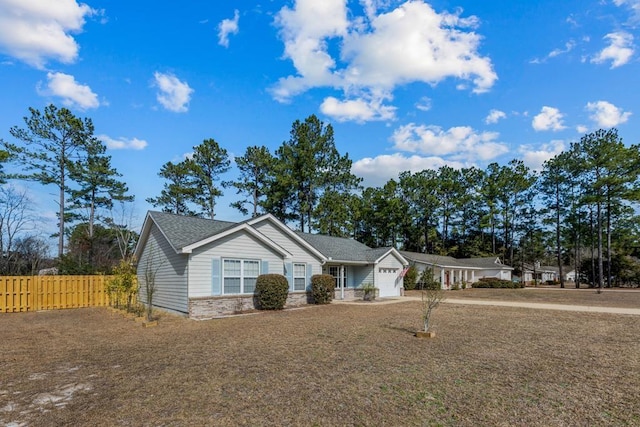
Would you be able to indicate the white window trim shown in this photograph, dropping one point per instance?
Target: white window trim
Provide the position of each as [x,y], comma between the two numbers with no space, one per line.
[337,276]
[242,275]
[303,277]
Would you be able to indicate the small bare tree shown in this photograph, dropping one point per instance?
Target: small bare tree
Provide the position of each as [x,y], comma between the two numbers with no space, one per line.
[152,262]
[432,295]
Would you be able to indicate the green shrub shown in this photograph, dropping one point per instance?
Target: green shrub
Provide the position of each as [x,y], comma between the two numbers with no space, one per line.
[322,288]
[455,287]
[369,292]
[410,278]
[427,281]
[271,291]
[495,283]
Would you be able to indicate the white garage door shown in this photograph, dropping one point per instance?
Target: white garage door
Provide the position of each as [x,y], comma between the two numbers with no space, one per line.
[386,282]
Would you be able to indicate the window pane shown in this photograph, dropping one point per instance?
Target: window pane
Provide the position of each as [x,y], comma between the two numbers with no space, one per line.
[249,285]
[299,270]
[232,267]
[299,284]
[231,285]
[251,268]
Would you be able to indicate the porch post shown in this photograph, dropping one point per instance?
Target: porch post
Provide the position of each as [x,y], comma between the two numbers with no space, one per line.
[473,276]
[442,284]
[341,282]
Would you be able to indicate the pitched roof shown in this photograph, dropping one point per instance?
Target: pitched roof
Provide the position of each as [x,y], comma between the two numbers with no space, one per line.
[447,261]
[182,230]
[337,248]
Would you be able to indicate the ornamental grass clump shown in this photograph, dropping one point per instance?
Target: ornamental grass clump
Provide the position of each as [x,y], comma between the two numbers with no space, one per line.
[271,291]
[322,288]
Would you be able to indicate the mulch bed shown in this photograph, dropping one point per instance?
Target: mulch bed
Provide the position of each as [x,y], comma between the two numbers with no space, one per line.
[323,365]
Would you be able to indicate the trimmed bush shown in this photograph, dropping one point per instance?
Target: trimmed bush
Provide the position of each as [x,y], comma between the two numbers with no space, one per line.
[410,279]
[322,288]
[495,283]
[271,291]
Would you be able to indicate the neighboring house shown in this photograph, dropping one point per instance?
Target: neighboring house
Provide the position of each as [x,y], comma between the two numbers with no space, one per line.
[205,268]
[449,271]
[544,273]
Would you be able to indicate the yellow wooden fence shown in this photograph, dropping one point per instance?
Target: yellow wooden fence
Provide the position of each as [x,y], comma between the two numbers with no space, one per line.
[30,293]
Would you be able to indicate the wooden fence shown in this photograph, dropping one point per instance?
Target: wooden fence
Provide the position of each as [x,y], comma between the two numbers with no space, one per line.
[31,293]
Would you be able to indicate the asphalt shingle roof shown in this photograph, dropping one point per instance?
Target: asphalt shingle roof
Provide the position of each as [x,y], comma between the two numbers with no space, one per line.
[182,230]
[447,261]
[337,248]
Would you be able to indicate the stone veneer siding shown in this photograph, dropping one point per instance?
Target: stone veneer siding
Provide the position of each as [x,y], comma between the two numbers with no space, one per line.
[210,307]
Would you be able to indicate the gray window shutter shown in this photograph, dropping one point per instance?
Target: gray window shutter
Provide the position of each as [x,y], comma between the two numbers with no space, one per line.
[288,273]
[216,288]
[265,267]
[309,274]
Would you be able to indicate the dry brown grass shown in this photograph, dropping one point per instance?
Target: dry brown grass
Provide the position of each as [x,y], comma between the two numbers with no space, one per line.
[327,365]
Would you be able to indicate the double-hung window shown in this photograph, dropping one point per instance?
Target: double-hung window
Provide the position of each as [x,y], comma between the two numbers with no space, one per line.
[299,277]
[240,275]
[335,272]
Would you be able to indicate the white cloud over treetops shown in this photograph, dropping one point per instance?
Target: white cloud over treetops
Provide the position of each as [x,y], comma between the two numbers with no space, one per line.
[122,143]
[377,52]
[619,51]
[35,31]
[534,157]
[73,94]
[494,116]
[549,118]
[173,94]
[376,171]
[606,115]
[458,143]
[226,27]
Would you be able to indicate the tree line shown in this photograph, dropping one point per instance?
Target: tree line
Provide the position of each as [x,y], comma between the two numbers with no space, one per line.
[578,212]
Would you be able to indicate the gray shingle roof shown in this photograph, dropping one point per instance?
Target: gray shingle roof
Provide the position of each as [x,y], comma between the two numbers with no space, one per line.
[337,248]
[447,261]
[182,230]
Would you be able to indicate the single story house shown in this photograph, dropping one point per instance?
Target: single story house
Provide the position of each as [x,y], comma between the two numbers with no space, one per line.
[544,273]
[205,268]
[449,271]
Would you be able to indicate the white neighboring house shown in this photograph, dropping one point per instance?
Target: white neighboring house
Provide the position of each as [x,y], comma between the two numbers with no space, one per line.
[449,271]
[206,268]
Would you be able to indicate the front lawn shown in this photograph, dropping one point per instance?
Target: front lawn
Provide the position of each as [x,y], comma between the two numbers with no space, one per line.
[326,365]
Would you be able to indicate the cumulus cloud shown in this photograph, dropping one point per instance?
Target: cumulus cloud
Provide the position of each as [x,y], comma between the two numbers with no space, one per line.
[358,110]
[619,51]
[35,31]
[378,52]
[122,143]
[226,27]
[606,115]
[72,93]
[494,116]
[581,129]
[459,143]
[375,171]
[549,118]
[534,157]
[173,94]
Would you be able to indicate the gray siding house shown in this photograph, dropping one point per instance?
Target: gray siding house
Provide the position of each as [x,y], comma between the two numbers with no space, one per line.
[206,268]
[449,271]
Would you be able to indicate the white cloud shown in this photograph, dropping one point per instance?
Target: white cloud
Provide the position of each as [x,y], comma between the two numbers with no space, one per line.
[581,129]
[619,51]
[424,104]
[634,5]
[35,31]
[174,95]
[494,116]
[606,115]
[534,157]
[378,52]
[71,92]
[226,27]
[568,47]
[121,143]
[461,142]
[358,110]
[549,119]
[378,170]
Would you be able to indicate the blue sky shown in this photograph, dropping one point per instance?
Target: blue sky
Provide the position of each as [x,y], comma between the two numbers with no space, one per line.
[406,85]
